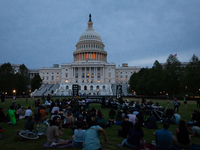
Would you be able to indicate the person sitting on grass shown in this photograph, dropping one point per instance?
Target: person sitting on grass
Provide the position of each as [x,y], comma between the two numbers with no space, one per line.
[37,116]
[99,119]
[135,137]
[88,116]
[126,126]
[111,116]
[194,129]
[163,138]
[3,118]
[28,112]
[118,118]
[69,119]
[53,134]
[78,135]
[91,139]
[182,138]
[29,124]
[11,114]
[151,122]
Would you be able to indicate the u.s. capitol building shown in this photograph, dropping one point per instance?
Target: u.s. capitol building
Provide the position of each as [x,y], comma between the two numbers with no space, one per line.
[89,69]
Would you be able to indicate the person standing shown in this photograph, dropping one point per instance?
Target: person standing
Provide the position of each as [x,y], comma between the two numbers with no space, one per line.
[2,99]
[163,138]
[176,104]
[185,102]
[103,102]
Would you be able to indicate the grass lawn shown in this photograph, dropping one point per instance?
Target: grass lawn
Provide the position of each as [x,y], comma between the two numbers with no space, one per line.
[9,134]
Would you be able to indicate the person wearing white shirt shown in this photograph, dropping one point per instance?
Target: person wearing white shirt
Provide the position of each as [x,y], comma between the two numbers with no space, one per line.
[28,112]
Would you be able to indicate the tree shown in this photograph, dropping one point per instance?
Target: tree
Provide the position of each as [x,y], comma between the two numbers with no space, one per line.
[172,75]
[133,81]
[7,78]
[155,79]
[192,75]
[36,82]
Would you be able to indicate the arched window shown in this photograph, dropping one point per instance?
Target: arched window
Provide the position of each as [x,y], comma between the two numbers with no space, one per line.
[97,87]
[91,87]
[104,87]
[67,87]
[85,87]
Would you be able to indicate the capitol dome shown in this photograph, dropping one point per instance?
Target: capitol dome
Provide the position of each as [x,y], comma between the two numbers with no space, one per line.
[90,46]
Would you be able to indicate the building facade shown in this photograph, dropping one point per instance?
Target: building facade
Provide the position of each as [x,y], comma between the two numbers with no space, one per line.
[89,69]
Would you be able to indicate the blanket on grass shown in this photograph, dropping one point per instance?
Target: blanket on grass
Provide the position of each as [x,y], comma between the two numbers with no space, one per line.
[46,145]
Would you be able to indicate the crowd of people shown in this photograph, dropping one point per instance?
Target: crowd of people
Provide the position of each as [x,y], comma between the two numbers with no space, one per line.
[87,123]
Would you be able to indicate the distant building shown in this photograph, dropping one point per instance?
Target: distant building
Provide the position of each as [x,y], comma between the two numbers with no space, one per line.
[90,69]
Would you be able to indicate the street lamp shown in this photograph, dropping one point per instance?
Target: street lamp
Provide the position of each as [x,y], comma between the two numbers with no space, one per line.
[14,94]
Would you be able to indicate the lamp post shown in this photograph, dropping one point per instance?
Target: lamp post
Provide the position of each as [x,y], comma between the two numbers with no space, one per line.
[14,94]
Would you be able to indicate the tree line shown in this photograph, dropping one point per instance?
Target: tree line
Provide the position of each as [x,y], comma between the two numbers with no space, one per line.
[168,79]
[18,81]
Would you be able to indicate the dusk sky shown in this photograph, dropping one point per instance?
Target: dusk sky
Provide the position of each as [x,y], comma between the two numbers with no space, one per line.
[40,33]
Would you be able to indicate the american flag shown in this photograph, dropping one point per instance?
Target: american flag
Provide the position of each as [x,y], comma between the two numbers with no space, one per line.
[175,55]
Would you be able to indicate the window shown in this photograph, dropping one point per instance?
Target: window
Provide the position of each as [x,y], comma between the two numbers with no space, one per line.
[66,69]
[87,69]
[42,78]
[109,74]
[126,77]
[57,78]
[82,81]
[121,72]
[121,78]
[83,75]
[88,81]
[79,87]
[116,72]
[83,69]
[52,72]
[97,87]
[98,75]
[91,87]
[91,81]
[66,81]
[92,69]
[47,78]
[76,75]
[67,87]
[43,73]
[98,69]
[47,73]
[87,75]
[104,87]
[85,87]
[109,81]
[76,81]
[92,75]
[57,72]
[66,75]
[99,81]
[116,77]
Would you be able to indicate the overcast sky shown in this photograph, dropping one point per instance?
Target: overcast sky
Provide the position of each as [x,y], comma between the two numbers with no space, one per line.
[40,33]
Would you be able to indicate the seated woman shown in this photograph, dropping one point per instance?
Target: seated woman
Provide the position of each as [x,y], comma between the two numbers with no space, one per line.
[111,119]
[88,116]
[11,114]
[182,138]
[133,138]
[93,110]
[29,124]
[78,136]
[69,119]
[118,118]
[99,119]
[3,118]
[37,116]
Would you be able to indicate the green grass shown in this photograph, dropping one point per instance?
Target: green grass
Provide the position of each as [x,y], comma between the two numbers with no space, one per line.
[9,134]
